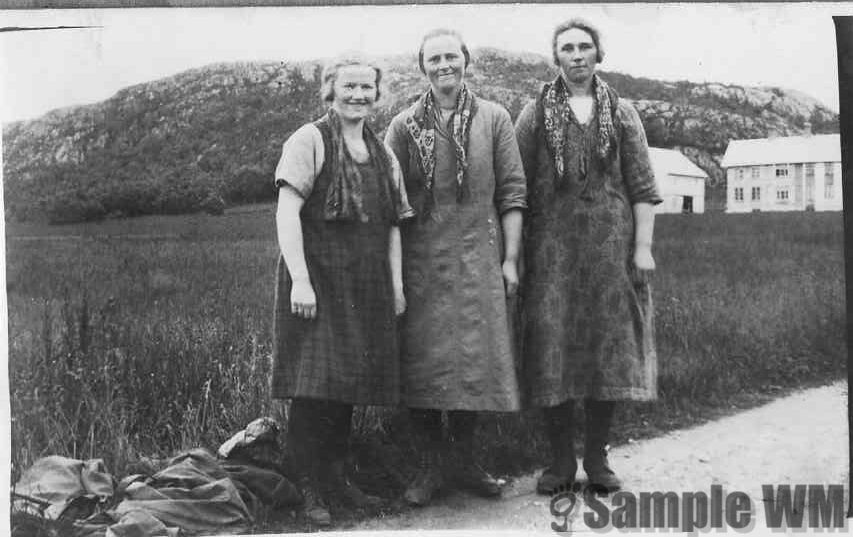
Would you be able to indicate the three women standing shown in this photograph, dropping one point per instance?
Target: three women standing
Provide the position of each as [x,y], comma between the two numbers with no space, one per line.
[339,286]
[587,304]
[578,152]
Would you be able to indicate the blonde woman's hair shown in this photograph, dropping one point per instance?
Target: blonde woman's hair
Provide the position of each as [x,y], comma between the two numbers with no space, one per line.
[330,74]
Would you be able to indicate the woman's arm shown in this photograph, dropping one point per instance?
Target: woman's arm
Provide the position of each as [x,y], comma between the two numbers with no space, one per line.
[641,187]
[644,225]
[303,301]
[395,242]
[301,157]
[395,260]
[511,222]
[510,196]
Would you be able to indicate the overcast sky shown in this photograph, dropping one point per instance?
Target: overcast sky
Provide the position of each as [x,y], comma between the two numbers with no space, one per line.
[787,45]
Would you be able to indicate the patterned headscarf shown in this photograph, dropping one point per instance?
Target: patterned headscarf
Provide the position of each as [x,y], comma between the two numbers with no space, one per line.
[344,197]
[421,126]
[557,114]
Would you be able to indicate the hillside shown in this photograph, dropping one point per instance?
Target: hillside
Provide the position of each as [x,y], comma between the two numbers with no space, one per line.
[211,136]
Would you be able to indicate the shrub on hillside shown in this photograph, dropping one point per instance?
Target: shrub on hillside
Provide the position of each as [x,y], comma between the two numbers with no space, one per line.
[74,207]
[213,204]
[249,184]
[134,197]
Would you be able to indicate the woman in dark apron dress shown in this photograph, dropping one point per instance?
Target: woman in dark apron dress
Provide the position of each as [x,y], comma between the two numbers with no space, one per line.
[339,283]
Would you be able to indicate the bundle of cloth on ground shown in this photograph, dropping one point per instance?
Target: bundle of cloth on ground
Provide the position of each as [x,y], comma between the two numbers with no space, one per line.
[196,493]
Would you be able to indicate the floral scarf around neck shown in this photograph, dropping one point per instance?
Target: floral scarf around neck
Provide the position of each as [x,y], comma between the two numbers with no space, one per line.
[557,113]
[422,126]
[344,197]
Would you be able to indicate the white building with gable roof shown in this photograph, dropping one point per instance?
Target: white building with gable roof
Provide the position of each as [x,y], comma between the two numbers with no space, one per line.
[793,173]
[680,182]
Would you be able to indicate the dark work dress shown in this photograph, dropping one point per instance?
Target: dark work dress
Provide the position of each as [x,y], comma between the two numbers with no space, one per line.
[589,328]
[349,352]
[457,352]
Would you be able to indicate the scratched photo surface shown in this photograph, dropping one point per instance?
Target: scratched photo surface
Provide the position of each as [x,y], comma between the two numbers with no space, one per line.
[139,159]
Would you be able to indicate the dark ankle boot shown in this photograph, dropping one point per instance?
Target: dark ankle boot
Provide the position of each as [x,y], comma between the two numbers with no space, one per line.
[599,415]
[311,442]
[339,485]
[467,475]
[428,479]
[560,428]
[464,471]
[337,481]
[313,504]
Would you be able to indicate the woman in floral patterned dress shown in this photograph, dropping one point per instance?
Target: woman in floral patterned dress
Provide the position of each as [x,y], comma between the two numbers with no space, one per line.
[588,234]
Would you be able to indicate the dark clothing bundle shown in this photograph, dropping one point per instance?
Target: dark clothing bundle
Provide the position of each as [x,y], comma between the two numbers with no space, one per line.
[194,493]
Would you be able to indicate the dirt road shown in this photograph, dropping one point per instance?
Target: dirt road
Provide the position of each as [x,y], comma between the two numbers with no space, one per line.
[799,439]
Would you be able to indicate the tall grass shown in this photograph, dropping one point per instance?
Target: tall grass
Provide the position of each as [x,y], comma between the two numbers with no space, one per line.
[147,336]
[748,301]
[121,347]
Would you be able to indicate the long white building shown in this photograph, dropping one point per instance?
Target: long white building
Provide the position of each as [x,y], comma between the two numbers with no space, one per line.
[794,173]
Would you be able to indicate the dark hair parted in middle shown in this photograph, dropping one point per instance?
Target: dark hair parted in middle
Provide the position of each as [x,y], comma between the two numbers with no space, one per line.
[581,24]
[330,74]
[438,32]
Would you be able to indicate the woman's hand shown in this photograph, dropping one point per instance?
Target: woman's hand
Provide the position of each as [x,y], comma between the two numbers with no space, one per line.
[644,265]
[303,301]
[510,272]
[399,301]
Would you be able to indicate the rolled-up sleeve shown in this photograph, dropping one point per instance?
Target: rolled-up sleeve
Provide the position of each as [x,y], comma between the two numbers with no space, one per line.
[301,160]
[634,155]
[404,210]
[510,182]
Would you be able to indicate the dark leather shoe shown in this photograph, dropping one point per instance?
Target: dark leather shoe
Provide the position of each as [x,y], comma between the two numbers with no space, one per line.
[426,484]
[477,481]
[339,486]
[313,505]
[600,474]
[552,481]
[599,415]
[353,496]
[560,475]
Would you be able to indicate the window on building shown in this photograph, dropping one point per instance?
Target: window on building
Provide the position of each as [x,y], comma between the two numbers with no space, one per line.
[781,170]
[810,169]
[828,180]
[739,173]
[782,195]
[756,172]
[756,193]
[738,194]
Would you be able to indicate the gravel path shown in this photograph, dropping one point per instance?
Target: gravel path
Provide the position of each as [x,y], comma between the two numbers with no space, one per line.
[799,439]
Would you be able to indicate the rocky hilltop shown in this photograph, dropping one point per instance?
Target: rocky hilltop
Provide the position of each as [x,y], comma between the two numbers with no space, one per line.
[211,136]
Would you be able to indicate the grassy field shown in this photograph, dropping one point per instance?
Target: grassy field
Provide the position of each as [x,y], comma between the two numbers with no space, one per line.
[142,337]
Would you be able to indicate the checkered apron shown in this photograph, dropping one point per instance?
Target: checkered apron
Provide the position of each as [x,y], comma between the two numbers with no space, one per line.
[349,352]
